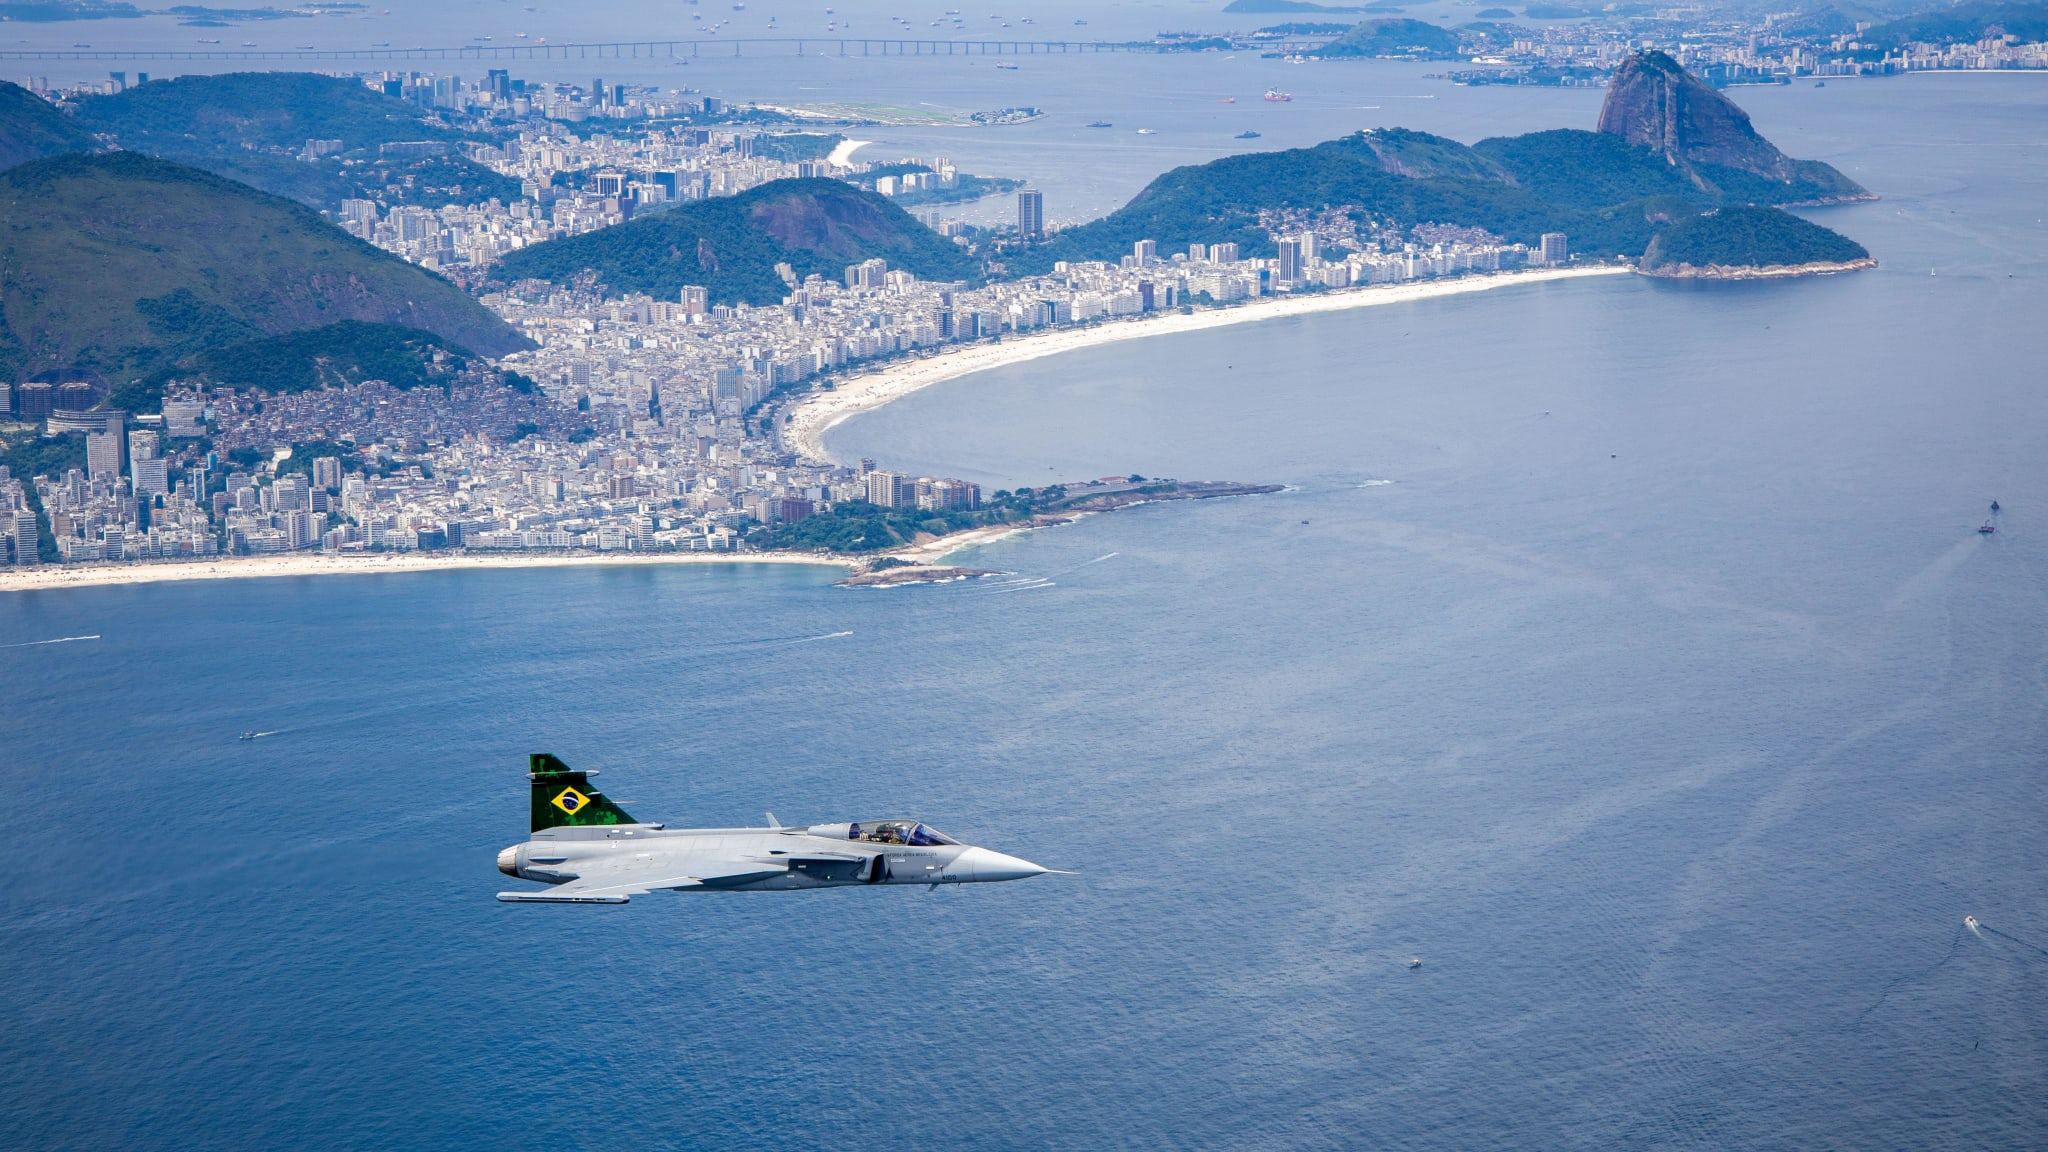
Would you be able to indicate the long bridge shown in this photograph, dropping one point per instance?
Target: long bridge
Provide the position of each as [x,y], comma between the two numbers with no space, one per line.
[616,50]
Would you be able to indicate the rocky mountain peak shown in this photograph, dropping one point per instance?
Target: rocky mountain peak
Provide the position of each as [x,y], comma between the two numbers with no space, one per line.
[1655,103]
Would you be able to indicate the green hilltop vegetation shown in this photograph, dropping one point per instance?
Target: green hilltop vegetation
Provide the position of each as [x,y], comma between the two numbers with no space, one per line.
[1611,196]
[131,270]
[202,114]
[249,126]
[330,356]
[1748,237]
[731,245]
[32,128]
[1610,204]
[1392,37]
[1963,23]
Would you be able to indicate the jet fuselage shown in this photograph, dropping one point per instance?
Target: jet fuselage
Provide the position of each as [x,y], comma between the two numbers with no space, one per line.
[749,859]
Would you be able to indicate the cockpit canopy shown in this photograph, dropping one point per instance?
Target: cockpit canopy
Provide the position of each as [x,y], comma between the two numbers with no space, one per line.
[897,832]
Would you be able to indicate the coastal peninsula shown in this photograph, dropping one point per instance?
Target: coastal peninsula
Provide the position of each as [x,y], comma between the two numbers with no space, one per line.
[661,382]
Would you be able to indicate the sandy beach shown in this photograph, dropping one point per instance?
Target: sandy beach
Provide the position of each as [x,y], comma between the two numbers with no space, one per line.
[50,576]
[842,154]
[811,416]
[322,564]
[805,425]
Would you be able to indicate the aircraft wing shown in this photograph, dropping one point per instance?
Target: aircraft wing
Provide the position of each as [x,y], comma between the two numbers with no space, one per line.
[618,885]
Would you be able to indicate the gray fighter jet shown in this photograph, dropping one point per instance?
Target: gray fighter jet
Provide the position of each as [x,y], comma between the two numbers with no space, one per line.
[593,853]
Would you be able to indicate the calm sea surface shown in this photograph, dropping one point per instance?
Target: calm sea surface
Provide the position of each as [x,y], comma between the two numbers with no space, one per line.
[1625,652]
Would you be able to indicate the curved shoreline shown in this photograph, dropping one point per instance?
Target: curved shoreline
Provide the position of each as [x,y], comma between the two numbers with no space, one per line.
[804,422]
[842,153]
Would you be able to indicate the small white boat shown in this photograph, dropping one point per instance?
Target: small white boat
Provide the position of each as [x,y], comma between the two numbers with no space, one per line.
[1414,962]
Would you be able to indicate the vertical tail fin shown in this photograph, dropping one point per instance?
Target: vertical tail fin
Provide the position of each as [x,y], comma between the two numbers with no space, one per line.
[563,796]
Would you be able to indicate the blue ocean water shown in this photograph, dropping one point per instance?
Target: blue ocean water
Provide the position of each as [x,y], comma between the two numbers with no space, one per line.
[1665,703]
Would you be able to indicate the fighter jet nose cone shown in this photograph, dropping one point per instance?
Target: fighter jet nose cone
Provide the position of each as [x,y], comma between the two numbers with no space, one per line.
[508,861]
[991,865]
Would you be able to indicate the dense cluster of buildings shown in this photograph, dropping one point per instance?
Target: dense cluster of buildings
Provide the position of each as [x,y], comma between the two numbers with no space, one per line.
[18,528]
[478,465]
[125,504]
[572,185]
[650,425]
[1727,49]
[635,355]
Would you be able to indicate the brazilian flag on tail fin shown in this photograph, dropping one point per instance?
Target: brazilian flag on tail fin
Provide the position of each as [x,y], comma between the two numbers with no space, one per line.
[563,796]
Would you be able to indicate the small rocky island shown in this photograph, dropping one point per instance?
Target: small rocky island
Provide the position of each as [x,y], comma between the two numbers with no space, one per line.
[890,571]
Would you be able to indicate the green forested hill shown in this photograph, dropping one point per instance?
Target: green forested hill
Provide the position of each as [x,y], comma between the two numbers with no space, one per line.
[1668,149]
[32,128]
[1397,36]
[1964,23]
[119,266]
[249,126]
[257,109]
[1474,187]
[731,245]
[1584,169]
[1608,195]
[1749,237]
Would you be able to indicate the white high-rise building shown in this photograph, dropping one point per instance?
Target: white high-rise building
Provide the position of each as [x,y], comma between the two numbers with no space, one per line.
[1030,213]
[889,489]
[103,455]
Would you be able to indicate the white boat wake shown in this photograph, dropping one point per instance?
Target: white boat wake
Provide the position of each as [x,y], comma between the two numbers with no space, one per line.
[58,640]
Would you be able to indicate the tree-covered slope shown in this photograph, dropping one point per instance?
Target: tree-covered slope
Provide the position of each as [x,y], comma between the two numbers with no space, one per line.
[332,355]
[32,128]
[1748,237]
[250,126]
[257,110]
[731,245]
[1220,201]
[118,264]
[1963,23]
[1585,169]
[1397,36]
